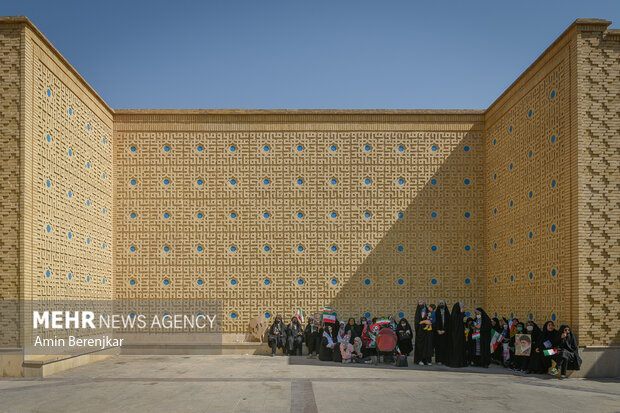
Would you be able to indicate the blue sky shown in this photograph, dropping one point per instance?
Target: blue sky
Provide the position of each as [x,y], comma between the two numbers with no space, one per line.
[294,54]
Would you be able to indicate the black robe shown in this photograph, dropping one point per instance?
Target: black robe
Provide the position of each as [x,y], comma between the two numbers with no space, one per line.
[539,363]
[353,329]
[405,335]
[485,339]
[457,345]
[569,349]
[325,353]
[423,351]
[442,341]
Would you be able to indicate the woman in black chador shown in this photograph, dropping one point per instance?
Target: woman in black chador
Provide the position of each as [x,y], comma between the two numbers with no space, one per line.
[442,333]
[481,345]
[457,345]
[568,352]
[327,344]
[405,334]
[277,335]
[549,338]
[423,352]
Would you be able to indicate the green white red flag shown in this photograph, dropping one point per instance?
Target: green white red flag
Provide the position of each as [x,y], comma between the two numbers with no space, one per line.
[328,315]
[300,315]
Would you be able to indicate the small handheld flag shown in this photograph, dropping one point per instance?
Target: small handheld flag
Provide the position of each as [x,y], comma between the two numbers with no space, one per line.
[328,315]
[495,340]
[550,352]
[475,336]
[383,322]
[300,315]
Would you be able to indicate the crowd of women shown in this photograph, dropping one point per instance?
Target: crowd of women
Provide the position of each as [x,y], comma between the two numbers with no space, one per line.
[449,337]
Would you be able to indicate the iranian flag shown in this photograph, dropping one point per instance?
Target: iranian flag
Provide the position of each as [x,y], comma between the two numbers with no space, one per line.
[496,339]
[550,352]
[475,336]
[328,315]
[383,322]
[300,315]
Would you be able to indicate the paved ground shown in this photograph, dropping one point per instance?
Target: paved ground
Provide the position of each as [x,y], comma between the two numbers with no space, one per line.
[265,384]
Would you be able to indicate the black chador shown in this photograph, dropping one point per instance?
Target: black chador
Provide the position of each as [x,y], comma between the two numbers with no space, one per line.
[457,345]
[405,335]
[442,333]
[423,351]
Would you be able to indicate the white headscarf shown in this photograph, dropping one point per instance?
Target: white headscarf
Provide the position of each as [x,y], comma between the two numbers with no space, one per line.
[330,341]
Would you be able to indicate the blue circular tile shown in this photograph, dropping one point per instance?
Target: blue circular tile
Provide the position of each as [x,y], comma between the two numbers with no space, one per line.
[467,281]
[267,315]
[69,235]
[300,281]
[433,182]
[48,183]
[531,194]
[553,317]
[401,181]
[70,152]
[433,281]
[300,148]
[233,148]
[48,273]
[199,282]
[531,275]
[531,153]
[434,148]
[495,245]
[529,114]
[199,248]
[199,148]
[531,235]
[70,111]
[401,148]
[199,215]
[511,203]
[300,248]
[511,166]
[300,181]
[434,214]
[132,282]
[552,94]
[334,148]
[495,280]
[467,214]
[334,181]
[367,181]
[334,281]
[467,247]
[166,148]
[166,215]
[333,214]
[88,202]
[132,248]
[367,281]
[553,183]
[466,181]
[553,139]
[103,246]
[233,248]
[466,148]
[233,215]
[49,93]
[133,182]
[233,282]
[553,272]
[166,282]
[233,315]
[553,228]
[367,214]
[266,148]
[367,248]
[494,176]
[400,248]
[266,181]
[88,278]
[512,278]
[434,248]
[166,248]
[48,137]
[267,248]
[300,215]
[512,241]
[400,215]
[367,315]
[495,211]
[166,181]
[70,194]
[367,148]
[494,141]
[401,281]
[510,129]
[233,181]
[266,215]
[267,282]
[88,241]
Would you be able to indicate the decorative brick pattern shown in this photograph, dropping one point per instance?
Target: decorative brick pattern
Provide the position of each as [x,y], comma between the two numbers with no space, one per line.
[598,68]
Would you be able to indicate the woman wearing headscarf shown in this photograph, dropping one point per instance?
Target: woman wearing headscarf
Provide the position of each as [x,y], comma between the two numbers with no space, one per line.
[346,348]
[423,352]
[340,335]
[496,355]
[295,334]
[352,327]
[519,363]
[568,352]
[313,337]
[327,344]
[405,334]
[549,338]
[358,355]
[442,333]
[392,324]
[457,344]
[277,336]
[481,338]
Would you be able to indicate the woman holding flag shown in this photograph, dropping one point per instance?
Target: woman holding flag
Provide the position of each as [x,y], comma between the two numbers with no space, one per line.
[481,338]
[423,351]
[540,361]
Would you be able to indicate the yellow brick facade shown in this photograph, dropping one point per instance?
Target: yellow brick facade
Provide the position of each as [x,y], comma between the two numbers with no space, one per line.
[514,208]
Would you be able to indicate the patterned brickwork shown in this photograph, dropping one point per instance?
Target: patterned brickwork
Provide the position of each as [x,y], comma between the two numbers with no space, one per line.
[598,68]
[271,221]
[527,205]
[72,194]
[9,181]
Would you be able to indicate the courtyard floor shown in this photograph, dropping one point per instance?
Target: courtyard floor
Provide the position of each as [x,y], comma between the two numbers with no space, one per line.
[279,384]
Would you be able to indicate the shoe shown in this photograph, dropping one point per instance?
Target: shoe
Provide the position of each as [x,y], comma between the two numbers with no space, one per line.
[553,371]
[368,362]
[563,376]
[429,364]
[421,363]
[273,354]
